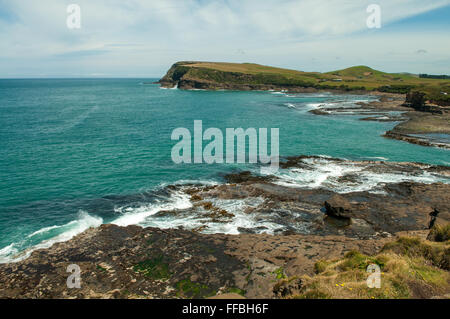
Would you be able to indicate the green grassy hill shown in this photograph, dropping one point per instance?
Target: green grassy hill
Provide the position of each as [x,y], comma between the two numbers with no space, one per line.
[250,76]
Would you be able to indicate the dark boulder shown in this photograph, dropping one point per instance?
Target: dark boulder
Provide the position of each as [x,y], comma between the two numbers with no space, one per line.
[339,211]
[339,207]
[416,100]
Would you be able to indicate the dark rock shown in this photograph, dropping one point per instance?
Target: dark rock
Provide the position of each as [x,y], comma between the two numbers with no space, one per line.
[339,207]
[245,176]
[414,140]
[286,288]
[433,216]
[415,100]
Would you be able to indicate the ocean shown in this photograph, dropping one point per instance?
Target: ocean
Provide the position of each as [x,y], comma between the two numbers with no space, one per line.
[76,153]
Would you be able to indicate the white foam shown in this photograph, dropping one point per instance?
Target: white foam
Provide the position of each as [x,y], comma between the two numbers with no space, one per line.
[137,216]
[241,219]
[199,218]
[328,174]
[310,95]
[43,230]
[339,103]
[377,158]
[194,182]
[313,178]
[83,222]
[315,106]
[6,252]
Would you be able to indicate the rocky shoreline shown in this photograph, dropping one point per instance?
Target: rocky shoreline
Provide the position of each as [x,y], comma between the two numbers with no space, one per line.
[415,127]
[412,123]
[379,111]
[311,225]
[421,128]
[416,122]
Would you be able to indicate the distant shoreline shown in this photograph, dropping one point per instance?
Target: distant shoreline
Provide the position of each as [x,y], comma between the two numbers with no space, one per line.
[412,122]
[250,76]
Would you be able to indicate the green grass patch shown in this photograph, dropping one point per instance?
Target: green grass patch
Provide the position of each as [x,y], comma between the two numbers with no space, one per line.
[101,268]
[428,274]
[410,268]
[320,266]
[356,260]
[437,254]
[399,287]
[188,289]
[279,273]
[153,268]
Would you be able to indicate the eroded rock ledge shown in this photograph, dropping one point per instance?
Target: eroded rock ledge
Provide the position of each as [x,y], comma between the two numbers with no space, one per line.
[135,262]
[132,262]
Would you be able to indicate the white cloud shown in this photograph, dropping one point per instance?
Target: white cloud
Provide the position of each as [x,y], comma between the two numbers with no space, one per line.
[144,37]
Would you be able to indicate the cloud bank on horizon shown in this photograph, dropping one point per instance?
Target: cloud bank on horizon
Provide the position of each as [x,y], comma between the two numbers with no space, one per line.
[143,38]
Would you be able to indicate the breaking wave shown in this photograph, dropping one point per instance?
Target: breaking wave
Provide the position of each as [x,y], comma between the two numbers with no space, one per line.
[170,206]
[139,215]
[347,177]
[47,236]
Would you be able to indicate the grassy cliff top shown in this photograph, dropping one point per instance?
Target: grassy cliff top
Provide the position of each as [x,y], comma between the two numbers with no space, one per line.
[247,68]
[353,78]
[409,268]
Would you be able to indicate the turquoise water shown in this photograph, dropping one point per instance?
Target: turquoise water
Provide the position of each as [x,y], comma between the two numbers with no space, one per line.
[73,150]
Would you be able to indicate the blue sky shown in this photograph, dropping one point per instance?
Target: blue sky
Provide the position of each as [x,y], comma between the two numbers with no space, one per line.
[138,38]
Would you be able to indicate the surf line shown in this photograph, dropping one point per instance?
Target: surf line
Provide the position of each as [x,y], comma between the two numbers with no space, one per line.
[213,152]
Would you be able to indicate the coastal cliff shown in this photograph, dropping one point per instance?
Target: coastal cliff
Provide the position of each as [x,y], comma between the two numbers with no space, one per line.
[245,77]
[250,76]
[423,101]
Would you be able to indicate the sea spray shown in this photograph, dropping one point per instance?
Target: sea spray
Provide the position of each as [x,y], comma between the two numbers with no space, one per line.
[48,236]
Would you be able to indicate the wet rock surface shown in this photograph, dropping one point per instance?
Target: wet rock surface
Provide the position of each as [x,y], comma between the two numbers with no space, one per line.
[285,230]
[135,262]
[416,125]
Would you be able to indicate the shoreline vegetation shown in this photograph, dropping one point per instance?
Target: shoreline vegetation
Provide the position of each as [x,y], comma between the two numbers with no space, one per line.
[423,100]
[403,228]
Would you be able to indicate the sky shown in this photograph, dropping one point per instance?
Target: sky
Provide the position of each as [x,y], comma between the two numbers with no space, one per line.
[143,38]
